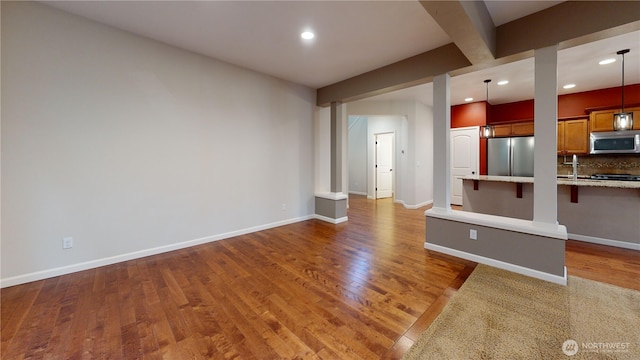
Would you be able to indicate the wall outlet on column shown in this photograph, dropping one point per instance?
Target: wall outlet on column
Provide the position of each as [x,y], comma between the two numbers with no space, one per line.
[67,243]
[473,234]
[284,207]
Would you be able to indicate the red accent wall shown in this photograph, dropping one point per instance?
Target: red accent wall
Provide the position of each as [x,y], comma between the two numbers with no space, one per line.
[512,112]
[570,105]
[472,114]
[483,156]
[575,104]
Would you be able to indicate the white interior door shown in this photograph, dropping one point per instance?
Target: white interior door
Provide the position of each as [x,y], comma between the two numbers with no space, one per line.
[384,165]
[465,156]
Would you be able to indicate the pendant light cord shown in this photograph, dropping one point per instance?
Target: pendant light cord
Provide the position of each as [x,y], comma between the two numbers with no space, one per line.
[623,83]
[487,82]
[622,52]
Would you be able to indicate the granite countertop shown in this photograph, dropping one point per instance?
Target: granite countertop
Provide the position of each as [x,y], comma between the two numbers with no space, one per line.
[561,181]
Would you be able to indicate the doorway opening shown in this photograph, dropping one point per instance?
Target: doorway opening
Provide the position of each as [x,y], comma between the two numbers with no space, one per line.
[464,159]
[384,165]
[362,135]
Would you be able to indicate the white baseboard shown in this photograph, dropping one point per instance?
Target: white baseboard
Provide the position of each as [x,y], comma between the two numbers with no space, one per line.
[413,207]
[608,242]
[357,193]
[330,220]
[561,280]
[63,270]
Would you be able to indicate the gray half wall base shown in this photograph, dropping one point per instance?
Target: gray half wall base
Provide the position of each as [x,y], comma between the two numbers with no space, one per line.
[535,255]
[603,215]
[331,208]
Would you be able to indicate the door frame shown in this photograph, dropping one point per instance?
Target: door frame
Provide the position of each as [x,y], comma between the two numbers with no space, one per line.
[476,130]
[393,163]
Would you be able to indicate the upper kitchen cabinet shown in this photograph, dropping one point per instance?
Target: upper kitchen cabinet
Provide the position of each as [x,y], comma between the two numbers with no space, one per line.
[522,129]
[602,120]
[502,130]
[573,137]
[515,129]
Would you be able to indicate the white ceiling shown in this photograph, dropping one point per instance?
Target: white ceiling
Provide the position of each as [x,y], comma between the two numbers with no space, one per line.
[352,37]
[577,65]
[503,11]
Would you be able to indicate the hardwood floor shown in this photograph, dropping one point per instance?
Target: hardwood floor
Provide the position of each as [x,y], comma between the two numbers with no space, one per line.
[612,265]
[364,289]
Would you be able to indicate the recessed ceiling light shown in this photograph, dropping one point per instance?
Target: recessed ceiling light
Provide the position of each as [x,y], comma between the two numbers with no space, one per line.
[307,35]
[468,99]
[503,82]
[607,61]
[569,86]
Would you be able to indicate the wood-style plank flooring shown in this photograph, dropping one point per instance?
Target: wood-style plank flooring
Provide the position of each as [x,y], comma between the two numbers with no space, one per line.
[364,289]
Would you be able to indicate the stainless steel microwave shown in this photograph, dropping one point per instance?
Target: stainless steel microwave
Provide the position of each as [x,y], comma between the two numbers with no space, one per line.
[615,142]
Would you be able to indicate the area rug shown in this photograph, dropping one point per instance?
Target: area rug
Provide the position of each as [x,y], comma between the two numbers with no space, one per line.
[497,314]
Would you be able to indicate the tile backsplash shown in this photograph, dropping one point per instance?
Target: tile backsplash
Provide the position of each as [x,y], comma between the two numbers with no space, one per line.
[601,164]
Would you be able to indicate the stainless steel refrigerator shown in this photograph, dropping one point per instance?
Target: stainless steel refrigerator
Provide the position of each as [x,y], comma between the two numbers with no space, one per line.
[510,156]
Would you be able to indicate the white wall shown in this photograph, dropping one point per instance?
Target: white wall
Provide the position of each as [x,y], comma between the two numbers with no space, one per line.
[381,125]
[134,147]
[414,135]
[322,150]
[424,154]
[358,155]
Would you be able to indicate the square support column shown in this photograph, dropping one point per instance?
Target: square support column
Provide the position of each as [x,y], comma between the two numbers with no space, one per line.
[332,206]
[336,147]
[441,151]
[545,193]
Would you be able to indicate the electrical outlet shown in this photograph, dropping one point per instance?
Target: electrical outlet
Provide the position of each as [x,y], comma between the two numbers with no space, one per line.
[284,207]
[67,243]
[473,234]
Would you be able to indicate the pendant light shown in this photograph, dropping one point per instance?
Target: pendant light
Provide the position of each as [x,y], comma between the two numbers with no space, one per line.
[623,120]
[486,131]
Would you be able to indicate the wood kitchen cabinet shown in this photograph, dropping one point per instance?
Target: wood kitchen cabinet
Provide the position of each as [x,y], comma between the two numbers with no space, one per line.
[573,137]
[602,120]
[515,129]
[522,129]
[560,141]
[502,130]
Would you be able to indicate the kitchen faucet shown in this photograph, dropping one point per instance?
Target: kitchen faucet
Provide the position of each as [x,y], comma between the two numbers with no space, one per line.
[574,164]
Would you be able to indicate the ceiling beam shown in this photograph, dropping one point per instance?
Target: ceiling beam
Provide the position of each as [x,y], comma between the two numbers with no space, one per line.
[468,24]
[567,24]
[412,71]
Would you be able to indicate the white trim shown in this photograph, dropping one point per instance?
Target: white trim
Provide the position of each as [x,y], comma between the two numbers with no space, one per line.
[375,163]
[332,196]
[331,220]
[468,128]
[500,222]
[63,270]
[357,193]
[561,280]
[608,242]
[413,207]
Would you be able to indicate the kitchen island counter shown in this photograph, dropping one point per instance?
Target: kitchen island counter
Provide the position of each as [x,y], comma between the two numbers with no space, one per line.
[599,211]
[582,181]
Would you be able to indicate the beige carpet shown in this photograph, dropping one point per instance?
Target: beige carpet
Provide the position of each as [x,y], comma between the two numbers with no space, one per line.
[498,314]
